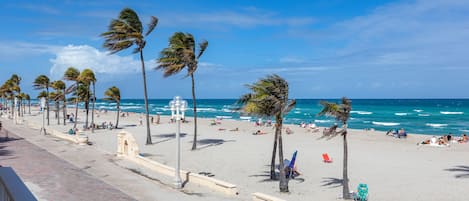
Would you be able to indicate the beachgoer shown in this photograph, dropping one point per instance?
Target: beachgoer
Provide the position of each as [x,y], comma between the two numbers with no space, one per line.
[259,132]
[236,129]
[157,118]
[288,130]
[287,169]
[463,138]
[140,120]
[152,120]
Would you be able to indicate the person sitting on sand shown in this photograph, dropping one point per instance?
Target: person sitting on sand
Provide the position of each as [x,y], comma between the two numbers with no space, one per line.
[288,130]
[463,138]
[286,163]
[401,133]
[259,132]
[236,129]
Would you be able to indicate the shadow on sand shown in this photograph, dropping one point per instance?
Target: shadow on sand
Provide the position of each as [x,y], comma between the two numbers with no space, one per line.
[463,171]
[167,137]
[205,143]
[331,182]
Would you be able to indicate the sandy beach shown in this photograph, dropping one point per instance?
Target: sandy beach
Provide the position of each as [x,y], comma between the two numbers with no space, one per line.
[394,169]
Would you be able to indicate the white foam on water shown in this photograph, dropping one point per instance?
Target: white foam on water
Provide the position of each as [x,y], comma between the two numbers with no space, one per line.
[223,117]
[446,112]
[464,130]
[401,114]
[227,110]
[207,109]
[321,121]
[416,110]
[361,112]
[385,123]
[424,115]
[366,122]
[297,112]
[131,107]
[245,118]
[436,125]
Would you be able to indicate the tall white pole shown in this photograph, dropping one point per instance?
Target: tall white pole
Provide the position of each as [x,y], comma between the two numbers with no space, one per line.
[178,139]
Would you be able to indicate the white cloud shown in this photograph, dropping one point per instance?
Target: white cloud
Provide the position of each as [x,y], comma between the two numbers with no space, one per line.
[84,56]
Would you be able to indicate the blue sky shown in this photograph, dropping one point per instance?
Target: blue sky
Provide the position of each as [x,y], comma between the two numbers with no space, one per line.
[323,48]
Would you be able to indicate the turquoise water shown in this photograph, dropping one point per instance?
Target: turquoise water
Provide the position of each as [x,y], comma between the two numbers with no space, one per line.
[423,116]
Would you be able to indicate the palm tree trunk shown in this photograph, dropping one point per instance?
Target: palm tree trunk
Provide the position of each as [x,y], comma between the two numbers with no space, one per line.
[194,143]
[57,112]
[87,105]
[145,98]
[92,110]
[47,103]
[29,106]
[13,108]
[118,111]
[345,184]
[65,108]
[283,184]
[76,107]
[274,152]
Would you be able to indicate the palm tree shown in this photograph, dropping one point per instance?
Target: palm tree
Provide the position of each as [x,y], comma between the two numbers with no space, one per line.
[82,93]
[59,86]
[22,97]
[341,112]
[125,32]
[71,74]
[42,82]
[87,78]
[15,87]
[114,94]
[28,98]
[181,54]
[269,98]
[42,94]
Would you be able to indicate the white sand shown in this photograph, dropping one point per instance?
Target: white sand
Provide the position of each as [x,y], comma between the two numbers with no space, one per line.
[394,169]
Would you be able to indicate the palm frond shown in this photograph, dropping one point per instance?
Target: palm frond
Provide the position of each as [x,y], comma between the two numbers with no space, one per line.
[151,25]
[202,47]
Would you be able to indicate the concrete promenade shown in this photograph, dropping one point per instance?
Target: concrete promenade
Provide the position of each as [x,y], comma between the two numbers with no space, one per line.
[55,169]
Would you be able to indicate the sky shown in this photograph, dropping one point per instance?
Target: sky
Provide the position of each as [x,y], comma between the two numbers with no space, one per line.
[323,48]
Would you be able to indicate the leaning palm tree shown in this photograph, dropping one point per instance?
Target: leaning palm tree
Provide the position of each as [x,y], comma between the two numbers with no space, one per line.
[114,94]
[87,77]
[341,112]
[71,74]
[59,86]
[125,32]
[42,82]
[181,54]
[269,98]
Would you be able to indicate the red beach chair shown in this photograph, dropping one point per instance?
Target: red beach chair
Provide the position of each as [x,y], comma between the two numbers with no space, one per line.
[326,158]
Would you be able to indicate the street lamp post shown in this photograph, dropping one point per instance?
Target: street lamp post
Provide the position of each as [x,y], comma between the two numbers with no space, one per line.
[178,106]
[43,106]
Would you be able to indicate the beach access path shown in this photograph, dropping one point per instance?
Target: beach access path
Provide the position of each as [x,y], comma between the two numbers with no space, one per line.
[55,169]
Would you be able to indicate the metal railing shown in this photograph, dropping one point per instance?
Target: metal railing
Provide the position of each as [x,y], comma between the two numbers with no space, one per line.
[12,188]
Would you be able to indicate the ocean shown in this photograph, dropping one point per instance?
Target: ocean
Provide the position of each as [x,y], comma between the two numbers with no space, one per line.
[422,116]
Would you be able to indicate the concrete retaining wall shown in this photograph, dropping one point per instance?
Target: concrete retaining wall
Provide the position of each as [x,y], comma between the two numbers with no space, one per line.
[127,147]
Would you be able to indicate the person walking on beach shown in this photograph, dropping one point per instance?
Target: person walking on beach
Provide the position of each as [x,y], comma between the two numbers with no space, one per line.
[140,120]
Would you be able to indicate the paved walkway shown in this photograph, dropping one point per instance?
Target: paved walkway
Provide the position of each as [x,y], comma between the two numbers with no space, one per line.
[51,178]
[55,169]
